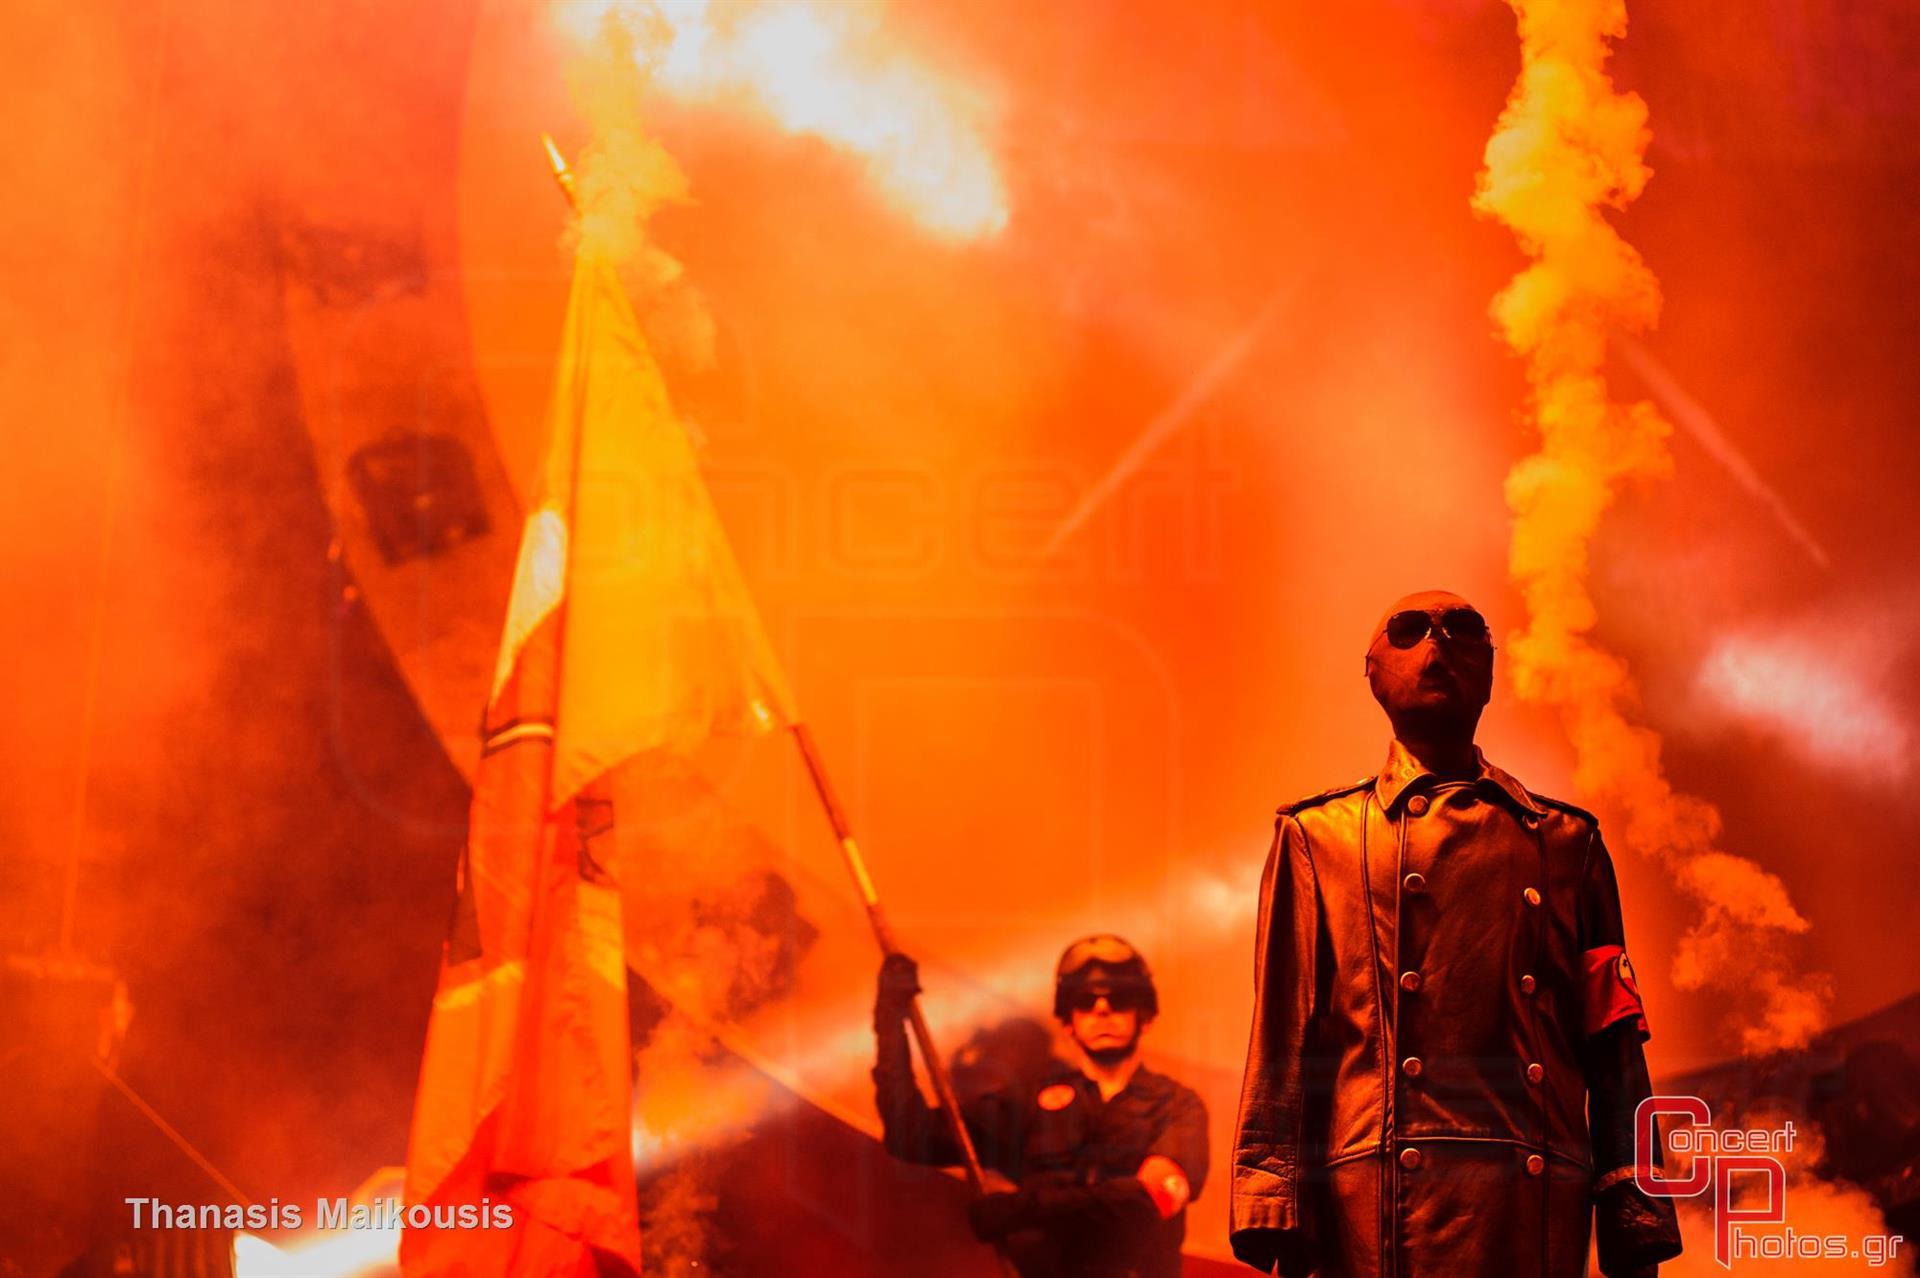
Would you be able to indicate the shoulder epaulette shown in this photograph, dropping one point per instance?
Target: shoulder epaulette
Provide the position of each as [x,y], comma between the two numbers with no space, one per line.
[1564,806]
[1313,800]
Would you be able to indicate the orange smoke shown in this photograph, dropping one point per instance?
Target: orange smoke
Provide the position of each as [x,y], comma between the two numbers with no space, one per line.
[625,175]
[1567,148]
[825,70]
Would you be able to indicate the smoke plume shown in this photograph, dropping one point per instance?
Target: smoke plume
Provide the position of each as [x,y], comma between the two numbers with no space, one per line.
[626,176]
[831,71]
[1569,147]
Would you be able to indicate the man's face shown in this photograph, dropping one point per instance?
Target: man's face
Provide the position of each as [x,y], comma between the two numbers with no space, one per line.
[1101,1028]
[1435,683]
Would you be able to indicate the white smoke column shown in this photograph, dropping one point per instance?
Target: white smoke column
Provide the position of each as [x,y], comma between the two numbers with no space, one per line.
[1567,148]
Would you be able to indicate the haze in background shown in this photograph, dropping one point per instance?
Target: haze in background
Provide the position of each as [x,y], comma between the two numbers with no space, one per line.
[896,420]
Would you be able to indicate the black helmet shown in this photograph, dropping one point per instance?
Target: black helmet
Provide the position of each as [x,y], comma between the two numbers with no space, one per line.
[1103,964]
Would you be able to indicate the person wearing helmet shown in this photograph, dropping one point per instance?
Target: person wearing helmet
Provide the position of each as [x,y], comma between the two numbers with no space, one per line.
[1101,1157]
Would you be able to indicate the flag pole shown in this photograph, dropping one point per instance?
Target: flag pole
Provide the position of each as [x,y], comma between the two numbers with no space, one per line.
[857,867]
[850,852]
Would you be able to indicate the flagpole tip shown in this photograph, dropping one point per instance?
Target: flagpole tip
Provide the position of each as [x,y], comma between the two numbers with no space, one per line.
[561,173]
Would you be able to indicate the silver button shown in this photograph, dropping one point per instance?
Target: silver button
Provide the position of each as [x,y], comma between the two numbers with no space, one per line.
[1417,805]
[1411,1159]
[1410,982]
[1535,1073]
[1415,882]
[1532,895]
[1526,984]
[1412,1067]
[1535,1164]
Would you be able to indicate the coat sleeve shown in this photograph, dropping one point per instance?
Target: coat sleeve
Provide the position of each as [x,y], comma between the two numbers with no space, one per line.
[1609,993]
[1631,1230]
[1268,1229]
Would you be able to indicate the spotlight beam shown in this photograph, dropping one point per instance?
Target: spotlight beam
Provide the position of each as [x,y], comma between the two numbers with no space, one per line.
[1694,418]
[1169,420]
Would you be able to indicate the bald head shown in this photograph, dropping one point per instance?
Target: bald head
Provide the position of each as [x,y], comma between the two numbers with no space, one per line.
[1433,671]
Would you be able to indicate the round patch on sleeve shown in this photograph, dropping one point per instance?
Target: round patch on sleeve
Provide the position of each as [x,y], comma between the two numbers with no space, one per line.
[1057,1097]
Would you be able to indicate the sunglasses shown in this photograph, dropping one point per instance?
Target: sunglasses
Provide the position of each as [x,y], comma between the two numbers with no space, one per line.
[1120,1000]
[1459,625]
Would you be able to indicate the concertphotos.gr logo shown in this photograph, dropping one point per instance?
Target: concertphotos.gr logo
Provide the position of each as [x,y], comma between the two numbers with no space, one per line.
[1754,1226]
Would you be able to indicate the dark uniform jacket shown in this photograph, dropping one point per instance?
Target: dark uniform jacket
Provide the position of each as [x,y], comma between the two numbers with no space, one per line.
[1440,982]
[1074,1156]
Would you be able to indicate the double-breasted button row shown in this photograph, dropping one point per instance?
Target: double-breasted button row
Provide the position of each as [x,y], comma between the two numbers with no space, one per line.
[1417,882]
[1414,1067]
[1411,1159]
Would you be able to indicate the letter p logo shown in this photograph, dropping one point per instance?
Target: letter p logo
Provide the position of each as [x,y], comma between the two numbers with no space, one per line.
[1726,1215]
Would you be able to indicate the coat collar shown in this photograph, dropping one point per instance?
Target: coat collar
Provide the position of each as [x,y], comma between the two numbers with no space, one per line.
[1402,772]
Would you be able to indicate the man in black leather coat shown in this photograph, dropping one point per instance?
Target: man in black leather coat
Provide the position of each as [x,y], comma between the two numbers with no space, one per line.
[1446,1046]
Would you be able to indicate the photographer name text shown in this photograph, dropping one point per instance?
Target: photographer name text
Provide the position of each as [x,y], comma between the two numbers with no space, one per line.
[323,1213]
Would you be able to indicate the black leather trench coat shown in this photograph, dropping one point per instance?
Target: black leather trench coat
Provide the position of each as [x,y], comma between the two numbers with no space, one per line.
[1433,959]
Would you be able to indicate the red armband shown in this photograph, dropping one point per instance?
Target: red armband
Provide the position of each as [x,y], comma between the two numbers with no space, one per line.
[1166,1184]
[1612,995]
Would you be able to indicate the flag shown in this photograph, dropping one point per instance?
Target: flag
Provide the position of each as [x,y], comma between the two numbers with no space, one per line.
[629,631]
